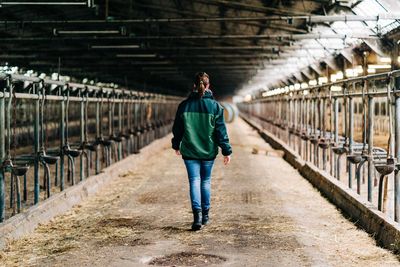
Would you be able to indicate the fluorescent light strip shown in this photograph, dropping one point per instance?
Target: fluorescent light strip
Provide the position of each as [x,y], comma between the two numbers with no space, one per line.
[85,32]
[114,46]
[46,3]
[137,55]
[380,66]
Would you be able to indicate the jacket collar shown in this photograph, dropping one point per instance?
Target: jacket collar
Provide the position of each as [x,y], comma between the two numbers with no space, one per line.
[207,94]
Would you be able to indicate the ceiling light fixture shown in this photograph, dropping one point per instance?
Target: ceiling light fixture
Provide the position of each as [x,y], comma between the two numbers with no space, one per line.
[136,55]
[15,3]
[380,66]
[121,31]
[114,46]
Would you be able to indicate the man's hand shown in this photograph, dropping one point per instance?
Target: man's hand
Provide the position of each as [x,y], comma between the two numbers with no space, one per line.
[177,152]
[227,159]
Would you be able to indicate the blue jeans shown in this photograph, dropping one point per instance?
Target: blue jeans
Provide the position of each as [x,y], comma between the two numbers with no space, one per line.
[199,173]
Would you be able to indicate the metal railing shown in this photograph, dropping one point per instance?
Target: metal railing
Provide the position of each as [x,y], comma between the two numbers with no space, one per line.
[333,126]
[48,127]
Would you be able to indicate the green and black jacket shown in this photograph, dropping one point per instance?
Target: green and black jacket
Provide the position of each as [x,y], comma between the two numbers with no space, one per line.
[199,128]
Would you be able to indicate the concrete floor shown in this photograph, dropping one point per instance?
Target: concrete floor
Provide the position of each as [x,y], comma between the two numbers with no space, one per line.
[263,214]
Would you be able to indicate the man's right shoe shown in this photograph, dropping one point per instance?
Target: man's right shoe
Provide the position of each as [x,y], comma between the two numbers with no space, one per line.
[196,220]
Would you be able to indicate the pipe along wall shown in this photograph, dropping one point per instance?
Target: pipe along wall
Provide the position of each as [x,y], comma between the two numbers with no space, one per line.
[53,134]
[336,131]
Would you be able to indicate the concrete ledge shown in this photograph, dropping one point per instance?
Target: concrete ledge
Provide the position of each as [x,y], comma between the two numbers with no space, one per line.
[25,222]
[364,214]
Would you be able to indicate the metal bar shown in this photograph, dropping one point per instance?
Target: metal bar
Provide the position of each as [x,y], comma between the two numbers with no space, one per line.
[82,137]
[372,77]
[206,37]
[276,48]
[98,131]
[351,137]
[36,146]
[10,3]
[62,141]
[2,156]
[259,36]
[75,98]
[120,128]
[310,19]
[370,145]
[397,172]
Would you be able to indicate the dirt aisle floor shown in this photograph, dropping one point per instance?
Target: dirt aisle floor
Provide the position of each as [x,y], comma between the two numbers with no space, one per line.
[263,214]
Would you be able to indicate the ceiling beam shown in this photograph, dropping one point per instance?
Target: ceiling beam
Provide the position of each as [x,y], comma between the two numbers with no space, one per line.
[252,7]
[192,37]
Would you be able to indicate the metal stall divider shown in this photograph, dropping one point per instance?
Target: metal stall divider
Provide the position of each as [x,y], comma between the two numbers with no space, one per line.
[57,119]
[84,154]
[305,136]
[352,159]
[397,152]
[129,131]
[99,130]
[370,135]
[300,126]
[386,167]
[358,155]
[70,152]
[110,112]
[136,124]
[44,158]
[11,164]
[332,142]
[88,147]
[306,111]
[323,142]
[120,137]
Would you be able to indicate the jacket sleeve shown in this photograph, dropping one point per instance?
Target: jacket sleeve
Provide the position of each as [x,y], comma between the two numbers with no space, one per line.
[221,133]
[177,129]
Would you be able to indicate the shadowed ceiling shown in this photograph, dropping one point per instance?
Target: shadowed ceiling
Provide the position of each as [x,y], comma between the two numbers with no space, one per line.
[133,43]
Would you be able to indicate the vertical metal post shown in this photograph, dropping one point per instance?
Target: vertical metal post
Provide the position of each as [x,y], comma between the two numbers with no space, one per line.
[331,123]
[312,127]
[307,126]
[2,155]
[316,124]
[97,164]
[295,111]
[110,129]
[397,172]
[351,133]
[346,125]
[290,121]
[370,145]
[301,122]
[62,139]
[323,128]
[36,145]
[82,136]
[396,65]
[336,122]
[120,129]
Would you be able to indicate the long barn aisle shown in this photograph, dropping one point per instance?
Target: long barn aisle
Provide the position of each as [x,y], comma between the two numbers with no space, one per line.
[263,214]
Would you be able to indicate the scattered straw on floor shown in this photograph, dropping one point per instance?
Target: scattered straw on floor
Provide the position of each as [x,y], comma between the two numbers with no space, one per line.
[187,259]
